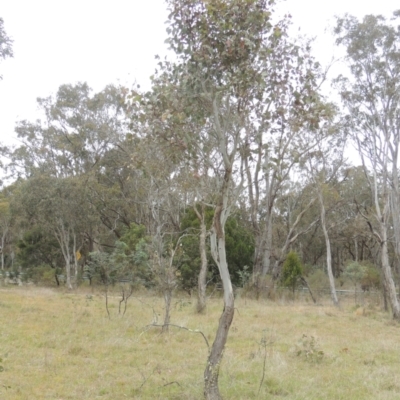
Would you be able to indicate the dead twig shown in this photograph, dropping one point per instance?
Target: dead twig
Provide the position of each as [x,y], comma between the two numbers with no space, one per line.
[263,344]
[184,328]
[171,383]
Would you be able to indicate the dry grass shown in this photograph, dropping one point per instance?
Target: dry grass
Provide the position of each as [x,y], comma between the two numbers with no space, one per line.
[57,345]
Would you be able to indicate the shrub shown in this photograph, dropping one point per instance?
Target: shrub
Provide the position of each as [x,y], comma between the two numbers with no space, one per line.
[292,271]
[41,275]
[308,349]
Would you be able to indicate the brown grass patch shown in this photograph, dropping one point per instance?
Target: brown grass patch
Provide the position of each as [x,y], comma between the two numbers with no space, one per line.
[60,345]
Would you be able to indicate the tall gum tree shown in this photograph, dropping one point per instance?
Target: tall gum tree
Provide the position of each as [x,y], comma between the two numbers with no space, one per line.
[371,95]
[217,76]
[287,112]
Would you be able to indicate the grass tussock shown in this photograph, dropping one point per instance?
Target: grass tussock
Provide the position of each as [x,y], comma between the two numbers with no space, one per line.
[59,345]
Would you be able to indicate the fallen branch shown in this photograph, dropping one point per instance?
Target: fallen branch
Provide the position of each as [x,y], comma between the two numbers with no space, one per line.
[305,283]
[182,327]
[171,383]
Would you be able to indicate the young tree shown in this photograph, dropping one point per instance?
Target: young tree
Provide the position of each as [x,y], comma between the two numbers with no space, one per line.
[292,271]
[372,99]
[323,166]
[355,272]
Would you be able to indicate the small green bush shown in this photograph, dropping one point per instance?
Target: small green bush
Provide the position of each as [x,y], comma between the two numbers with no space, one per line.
[292,271]
[41,275]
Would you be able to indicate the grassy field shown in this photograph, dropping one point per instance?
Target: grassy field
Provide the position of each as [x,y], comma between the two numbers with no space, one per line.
[59,345]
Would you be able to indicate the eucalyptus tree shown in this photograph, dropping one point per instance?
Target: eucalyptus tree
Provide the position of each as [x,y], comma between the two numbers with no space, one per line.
[294,219]
[212,87]
[77,129]
[371,95]
[162,189]
[66,148]
[56,205]
[288,111]
[323,167]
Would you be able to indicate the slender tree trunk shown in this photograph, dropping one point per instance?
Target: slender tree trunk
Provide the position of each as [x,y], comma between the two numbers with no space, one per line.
[68,273]
[383,217]
[167,302]
[258,279]
[305,283]
[63,236]
[211,373]
[76,268]
[218,252]
[387,273]
[328,253]
[266,259]
[385,302]
[257,262]
[356,249]
[3,243]
[202,279]
[395,211]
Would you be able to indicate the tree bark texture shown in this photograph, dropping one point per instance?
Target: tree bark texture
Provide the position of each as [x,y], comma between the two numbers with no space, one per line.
[167,315]
[218,251]
[387,274]
[211,374]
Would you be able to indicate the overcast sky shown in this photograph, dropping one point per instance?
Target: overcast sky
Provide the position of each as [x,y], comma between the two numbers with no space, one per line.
[103,41]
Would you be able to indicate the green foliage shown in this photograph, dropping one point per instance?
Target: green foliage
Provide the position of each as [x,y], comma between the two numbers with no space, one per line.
[134,251]
[222,48]
[128,261]
[36,248]
[355,272]
[41,275]
[292,271]
[319,280]
[190,221]
[239,250]
[244,275]
[371,278]
[363,274]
